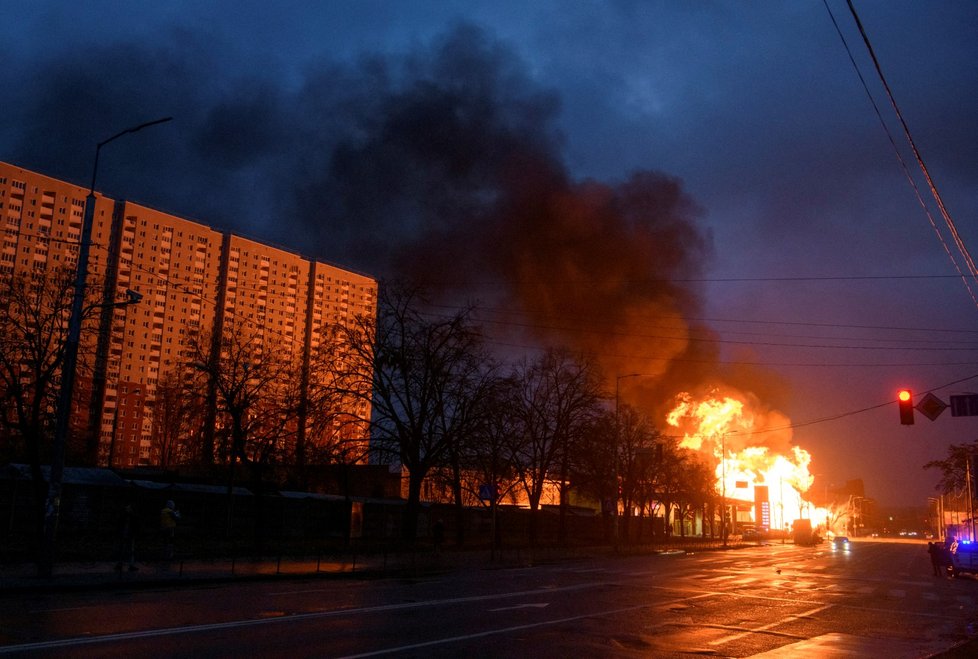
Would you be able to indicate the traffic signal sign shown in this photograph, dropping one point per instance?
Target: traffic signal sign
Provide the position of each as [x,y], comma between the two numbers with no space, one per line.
[905,401]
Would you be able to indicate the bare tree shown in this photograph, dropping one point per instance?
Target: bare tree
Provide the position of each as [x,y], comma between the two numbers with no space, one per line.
[556,401]
[684,480]
[491,452]
[698,491]
[415,368]
[176,420]
[466,408]
[640,458]
[34,309]
[954,468]
[337,398]
[249,380]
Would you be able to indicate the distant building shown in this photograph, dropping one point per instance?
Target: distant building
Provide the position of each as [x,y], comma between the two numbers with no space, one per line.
[193,281]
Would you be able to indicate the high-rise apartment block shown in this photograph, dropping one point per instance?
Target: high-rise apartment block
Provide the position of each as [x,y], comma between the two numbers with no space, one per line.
[192,282]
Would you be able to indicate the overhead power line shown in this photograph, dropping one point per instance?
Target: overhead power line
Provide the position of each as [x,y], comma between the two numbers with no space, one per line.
[959,243]
[601,283]
[842,415]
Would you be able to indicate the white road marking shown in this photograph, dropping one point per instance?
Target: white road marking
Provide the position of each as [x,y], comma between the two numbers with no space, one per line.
[540,605]
[744,582]
[491,632]
[236,624]
[776,623]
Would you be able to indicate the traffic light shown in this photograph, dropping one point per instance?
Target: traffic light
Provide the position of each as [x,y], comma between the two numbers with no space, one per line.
[905,401]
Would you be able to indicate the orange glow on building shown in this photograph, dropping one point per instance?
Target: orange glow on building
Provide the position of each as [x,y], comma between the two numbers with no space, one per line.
[192,279]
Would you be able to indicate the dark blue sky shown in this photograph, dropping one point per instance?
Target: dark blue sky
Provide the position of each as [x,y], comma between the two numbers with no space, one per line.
[389,135]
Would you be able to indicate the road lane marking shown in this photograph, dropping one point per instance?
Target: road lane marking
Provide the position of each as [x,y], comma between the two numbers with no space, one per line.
[506,630]
[770,598]
[745,581]
[770,626]
[541,605]
[492,632]
[236,624]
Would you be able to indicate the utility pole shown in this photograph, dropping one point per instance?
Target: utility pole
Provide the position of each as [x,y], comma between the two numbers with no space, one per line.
[52,508]
[614,459]
[969,479]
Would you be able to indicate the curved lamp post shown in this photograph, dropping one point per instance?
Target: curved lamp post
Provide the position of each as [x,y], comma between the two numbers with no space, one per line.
[52,508]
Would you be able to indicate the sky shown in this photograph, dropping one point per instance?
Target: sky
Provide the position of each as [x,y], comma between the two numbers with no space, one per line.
[702,193]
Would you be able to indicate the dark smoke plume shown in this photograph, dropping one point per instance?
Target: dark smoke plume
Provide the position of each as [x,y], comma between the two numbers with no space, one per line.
[460,160]
[443,166]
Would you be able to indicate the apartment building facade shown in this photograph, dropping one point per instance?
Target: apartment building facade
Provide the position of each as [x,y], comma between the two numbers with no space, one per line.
[192,281]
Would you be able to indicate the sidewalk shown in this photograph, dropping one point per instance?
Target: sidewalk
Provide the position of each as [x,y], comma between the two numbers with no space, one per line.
[22,578]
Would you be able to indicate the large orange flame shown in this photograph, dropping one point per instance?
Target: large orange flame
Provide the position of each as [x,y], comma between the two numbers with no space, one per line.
[710,423]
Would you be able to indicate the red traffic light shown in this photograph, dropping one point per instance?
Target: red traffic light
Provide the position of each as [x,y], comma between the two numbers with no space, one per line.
[905,402]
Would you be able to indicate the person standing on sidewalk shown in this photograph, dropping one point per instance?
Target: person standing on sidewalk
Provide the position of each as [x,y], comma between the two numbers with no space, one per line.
[936,551]
[168,527]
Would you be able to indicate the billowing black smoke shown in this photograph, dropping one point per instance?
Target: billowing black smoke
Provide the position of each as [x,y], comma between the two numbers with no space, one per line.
[443,166]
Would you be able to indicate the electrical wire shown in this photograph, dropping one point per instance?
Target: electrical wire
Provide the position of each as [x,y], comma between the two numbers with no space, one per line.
[955,346]
[836,417]
[959,243]
[736,362]
[652,324]
[188,289]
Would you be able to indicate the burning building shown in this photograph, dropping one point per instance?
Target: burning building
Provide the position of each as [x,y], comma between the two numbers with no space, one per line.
[760,476]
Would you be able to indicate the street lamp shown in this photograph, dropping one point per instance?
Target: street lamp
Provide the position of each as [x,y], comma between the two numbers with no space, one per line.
[52,509]
[614,458]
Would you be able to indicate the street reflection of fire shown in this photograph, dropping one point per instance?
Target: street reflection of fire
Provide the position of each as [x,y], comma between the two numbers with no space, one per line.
[730,432]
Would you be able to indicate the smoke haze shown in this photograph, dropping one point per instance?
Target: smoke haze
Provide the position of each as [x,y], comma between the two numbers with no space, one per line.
[441,166]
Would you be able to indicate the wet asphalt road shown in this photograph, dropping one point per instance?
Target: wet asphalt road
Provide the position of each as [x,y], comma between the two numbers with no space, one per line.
[878,599]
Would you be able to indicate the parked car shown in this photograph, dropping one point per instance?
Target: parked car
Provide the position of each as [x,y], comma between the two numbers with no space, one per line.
[749,533]
[964,558]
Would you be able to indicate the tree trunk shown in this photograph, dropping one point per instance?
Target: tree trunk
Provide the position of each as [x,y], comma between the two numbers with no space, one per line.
[459,507]
[534,517]
[409,529]
[562,511]
[625,520]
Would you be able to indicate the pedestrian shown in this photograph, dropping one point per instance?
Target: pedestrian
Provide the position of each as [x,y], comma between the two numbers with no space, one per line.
[948,549]
[169,516]
[936,557]
[128,531]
